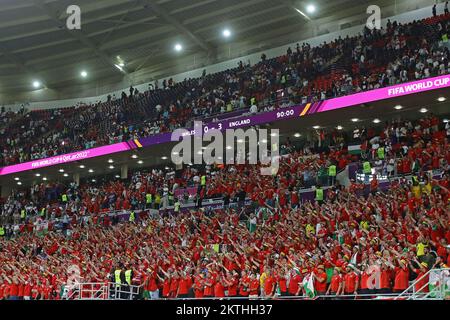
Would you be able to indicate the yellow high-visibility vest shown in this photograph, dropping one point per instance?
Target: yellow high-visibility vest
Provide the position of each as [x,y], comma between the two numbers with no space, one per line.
[128,276]
[380,153]
[332,170]
[148,197]
[203,180]
[319,194]
[64,197]
[132,217]
[117,276]
[23,213]
[176,206]
[2,231]
[367,168]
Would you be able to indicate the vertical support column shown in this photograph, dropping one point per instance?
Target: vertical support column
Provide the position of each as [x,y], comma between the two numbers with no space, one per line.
[76,178]
[124,171]
[5,190]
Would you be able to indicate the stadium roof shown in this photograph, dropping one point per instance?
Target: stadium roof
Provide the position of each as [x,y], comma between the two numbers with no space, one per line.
[35,44]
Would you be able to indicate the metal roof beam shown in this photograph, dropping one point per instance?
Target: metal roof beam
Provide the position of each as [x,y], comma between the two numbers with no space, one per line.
[78,35]
[174,22]
[17,61]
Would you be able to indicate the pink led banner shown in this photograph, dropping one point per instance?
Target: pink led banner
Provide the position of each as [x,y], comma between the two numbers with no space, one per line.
[385,93]
[66,158]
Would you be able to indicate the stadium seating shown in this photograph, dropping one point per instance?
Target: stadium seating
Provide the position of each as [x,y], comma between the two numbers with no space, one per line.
[268,250]
[371,60]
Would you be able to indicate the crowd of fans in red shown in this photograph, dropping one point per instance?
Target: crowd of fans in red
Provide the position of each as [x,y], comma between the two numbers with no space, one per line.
[215,255]
[266,249]
[373,59]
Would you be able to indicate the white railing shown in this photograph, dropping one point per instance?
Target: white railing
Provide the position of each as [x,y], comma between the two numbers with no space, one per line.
[113,291]
[102,291]
[438,288]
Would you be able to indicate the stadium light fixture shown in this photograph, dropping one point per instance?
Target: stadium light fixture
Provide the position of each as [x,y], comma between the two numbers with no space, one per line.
[273,134]
[355,119]
[229,147]
[140,162]
[61,170]
[164,158]
[339,127]
[297,135]
[178,47]
[316,127]
[441,99]
[398,107]
[423,110]
[110,161]
[120,61]
[376,120]
[36,84]
[84,74]
[226,33]
[93,180]
[91,170]
[134,156]
[117,176]
[310,8]
[111,167]
[37,174]
[445,120]
[82,166]
[118,67]
[65,175]
[44,178]
[17,178]
[19,183]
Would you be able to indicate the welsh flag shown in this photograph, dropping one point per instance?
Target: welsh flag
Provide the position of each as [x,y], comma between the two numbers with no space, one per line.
[308,285]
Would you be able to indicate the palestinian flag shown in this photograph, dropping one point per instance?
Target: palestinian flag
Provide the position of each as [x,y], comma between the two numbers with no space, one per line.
[354,149]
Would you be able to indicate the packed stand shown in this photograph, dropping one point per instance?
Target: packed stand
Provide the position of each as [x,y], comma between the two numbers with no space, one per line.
[268,249]
[373,59]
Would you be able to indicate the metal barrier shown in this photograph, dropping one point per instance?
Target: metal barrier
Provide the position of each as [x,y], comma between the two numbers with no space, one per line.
[112,291]
[438,290]
[373,296]
[102,291]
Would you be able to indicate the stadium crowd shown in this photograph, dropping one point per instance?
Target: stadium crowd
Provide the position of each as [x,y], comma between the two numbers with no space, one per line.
[373,59]
[265,249]
[214,254]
